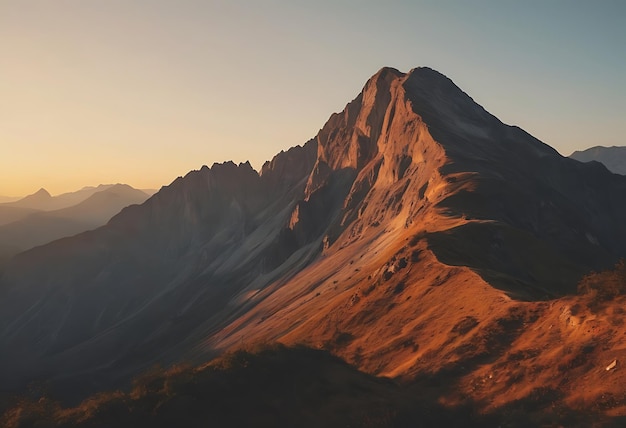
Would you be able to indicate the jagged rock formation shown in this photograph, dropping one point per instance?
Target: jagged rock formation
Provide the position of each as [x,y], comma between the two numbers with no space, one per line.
[614,158]
[411,201]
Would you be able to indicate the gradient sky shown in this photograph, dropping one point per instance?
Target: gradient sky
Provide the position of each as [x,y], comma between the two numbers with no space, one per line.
[142,91]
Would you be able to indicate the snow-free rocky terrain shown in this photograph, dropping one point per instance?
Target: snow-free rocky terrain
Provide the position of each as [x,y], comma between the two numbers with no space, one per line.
[415,235]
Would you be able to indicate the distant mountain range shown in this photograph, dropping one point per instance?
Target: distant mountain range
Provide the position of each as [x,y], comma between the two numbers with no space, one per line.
[43,201]
[614,158]
[416,236]
[36,219]
[4,199]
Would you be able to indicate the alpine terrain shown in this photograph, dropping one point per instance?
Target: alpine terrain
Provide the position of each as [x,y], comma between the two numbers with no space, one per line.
[416,237]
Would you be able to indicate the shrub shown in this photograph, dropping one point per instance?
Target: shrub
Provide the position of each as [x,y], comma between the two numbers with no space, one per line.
[604,286]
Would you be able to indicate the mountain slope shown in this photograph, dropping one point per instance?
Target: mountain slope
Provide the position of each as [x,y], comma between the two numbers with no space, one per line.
[414,213]
[10,214]
[42,227]
[614,158]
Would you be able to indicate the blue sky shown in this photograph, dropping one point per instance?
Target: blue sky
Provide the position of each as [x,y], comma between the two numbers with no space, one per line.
[99,91]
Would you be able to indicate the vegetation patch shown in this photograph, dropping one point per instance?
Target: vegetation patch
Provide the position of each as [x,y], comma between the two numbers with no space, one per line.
[604,286]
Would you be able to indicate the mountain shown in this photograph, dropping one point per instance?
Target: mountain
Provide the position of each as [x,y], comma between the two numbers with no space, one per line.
[45,226]
[9,214]
[43,201]
[415,235]
[614,158]
[103,204]
[40,200]
[8,199]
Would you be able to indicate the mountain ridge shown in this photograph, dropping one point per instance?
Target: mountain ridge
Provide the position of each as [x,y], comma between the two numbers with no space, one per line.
[30,227]
[614,157]
[410,201]
[41,198]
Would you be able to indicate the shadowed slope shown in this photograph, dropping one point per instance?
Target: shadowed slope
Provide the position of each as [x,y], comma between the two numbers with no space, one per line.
[131,291]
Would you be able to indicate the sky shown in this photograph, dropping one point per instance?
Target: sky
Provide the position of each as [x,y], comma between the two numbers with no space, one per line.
[143,91]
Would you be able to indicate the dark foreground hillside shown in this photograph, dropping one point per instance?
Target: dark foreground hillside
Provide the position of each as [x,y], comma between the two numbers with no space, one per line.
[276,386]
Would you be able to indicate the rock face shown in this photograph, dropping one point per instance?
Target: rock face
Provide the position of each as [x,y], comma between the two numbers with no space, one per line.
[412,199]
[614,158]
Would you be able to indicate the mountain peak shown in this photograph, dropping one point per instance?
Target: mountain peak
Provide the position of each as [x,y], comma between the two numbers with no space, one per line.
[38,200]
[42,193]
[428,71]
[387,72]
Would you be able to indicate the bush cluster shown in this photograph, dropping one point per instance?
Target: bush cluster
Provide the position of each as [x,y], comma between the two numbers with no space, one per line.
[604,286]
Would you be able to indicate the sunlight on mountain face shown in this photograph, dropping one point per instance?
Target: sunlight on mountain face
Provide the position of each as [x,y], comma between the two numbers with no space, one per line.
[416,237]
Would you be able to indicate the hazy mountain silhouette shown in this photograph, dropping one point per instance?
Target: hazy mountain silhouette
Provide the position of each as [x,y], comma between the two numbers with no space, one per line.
[149,192]
[40,200]
[9,214]
[614,158]
[44,226]
[416,233]
[100,206]
[43,201]
[4,199]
